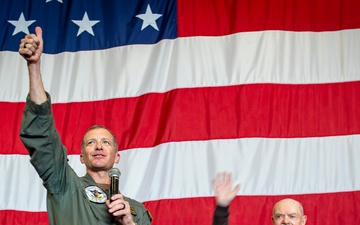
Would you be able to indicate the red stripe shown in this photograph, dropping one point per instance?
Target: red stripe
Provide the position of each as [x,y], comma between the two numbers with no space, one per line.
[10,128]
[334,208]
[12,217]
[257,110]
[213,18]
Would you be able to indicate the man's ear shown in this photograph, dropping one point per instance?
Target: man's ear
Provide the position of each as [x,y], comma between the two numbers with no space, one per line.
[117,158]
[81,159]
[304,219]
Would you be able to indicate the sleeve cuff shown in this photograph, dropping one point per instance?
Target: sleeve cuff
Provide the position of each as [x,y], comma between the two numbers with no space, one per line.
[221,211]
[41,109]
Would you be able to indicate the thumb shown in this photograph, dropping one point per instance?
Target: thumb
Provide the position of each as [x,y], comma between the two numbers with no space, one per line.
[38,32]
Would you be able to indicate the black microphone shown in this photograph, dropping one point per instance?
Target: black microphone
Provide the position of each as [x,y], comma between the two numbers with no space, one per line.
[114,175]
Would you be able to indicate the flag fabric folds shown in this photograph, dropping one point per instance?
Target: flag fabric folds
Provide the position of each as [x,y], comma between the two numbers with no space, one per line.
[267,90]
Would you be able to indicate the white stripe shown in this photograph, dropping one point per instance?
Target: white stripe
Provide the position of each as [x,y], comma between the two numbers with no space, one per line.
[253,57]
[22,186]
[185,169]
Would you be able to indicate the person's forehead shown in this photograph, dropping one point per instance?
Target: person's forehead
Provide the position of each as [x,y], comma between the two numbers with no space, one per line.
[98,133]
[288,207]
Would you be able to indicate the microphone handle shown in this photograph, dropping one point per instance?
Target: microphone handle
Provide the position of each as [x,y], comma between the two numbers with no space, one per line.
[114,186]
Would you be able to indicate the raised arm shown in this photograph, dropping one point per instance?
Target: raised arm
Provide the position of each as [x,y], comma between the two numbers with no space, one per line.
[31,48]
[37,130]
[224,194]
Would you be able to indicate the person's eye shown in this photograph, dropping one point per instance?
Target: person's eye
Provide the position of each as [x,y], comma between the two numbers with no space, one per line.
[279,216]
[90,142]
[106,142]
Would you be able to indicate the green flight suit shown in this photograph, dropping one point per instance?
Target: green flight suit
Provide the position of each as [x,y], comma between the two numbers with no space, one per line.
[67,200]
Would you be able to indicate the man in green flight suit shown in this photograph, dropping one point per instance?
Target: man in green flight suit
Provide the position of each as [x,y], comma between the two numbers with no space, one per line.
[71,200]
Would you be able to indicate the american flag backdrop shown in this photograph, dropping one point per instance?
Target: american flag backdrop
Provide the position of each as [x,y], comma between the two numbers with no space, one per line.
[268,90]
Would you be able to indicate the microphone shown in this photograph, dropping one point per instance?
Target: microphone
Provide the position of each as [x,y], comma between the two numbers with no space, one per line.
[114,175]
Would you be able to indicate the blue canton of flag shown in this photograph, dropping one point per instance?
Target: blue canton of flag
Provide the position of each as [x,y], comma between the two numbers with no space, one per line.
[81,25]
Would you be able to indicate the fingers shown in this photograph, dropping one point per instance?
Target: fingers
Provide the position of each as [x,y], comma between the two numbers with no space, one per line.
[26,47]
[236,188]
[223,184]
[31,46]
[118,206]
[123,208]
[222,178]
[38,32]
[226,178]
[224,192]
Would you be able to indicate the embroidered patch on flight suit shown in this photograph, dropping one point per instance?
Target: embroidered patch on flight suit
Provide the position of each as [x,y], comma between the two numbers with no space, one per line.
[132,211]
[95,194]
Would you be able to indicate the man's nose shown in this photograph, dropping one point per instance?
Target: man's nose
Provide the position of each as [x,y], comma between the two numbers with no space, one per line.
[286,221]
[98,145]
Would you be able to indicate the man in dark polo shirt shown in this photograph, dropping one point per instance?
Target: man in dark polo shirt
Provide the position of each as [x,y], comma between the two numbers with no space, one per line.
[286,211]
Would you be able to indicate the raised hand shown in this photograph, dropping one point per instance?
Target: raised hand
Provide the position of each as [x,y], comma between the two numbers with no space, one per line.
[224,193]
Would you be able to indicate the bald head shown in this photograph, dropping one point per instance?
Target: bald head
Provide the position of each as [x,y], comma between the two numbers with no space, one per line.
[289,203]
[288,211]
